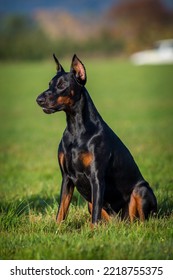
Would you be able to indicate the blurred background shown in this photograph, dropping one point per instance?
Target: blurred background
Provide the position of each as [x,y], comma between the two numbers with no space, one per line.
[34,29]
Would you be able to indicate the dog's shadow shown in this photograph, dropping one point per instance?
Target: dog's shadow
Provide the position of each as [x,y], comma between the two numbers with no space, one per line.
[165,208]
[43,205]
[36,203]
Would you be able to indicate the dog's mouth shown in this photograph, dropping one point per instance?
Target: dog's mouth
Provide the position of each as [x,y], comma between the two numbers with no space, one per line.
[48,110]
[46,107]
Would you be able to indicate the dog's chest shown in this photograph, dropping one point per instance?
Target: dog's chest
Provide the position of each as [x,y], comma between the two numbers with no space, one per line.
[76,163]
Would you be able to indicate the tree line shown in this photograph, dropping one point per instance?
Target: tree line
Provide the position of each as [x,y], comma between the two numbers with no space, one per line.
[129,26]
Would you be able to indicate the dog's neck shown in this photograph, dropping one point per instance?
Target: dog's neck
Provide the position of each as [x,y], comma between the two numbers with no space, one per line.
[83,116]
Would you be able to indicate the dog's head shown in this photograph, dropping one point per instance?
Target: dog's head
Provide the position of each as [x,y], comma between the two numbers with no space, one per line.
[64,89]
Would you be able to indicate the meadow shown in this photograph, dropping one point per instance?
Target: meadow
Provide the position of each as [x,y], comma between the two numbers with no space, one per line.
[137,102]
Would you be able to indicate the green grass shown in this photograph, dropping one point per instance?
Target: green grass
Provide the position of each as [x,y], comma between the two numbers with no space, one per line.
[137,102]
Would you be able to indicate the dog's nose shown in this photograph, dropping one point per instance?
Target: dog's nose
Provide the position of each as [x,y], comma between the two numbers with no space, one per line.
[40,100]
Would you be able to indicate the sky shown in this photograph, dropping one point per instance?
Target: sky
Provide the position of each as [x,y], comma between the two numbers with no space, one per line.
[22,6]
[74,6]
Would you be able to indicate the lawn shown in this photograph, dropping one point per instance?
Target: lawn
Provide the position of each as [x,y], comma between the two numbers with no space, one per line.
[137,102]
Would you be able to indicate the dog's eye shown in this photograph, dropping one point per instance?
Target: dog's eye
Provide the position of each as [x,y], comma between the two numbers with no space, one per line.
[61,84]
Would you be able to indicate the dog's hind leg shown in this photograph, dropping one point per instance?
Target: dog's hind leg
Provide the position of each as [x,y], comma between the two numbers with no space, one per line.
[142,202]
[132,207]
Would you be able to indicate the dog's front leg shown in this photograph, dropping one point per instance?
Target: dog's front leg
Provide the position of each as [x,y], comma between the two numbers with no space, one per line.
[98,188]
[67,189]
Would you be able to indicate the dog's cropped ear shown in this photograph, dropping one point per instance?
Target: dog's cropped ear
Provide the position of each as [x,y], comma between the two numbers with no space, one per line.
[79,71]
[59,67]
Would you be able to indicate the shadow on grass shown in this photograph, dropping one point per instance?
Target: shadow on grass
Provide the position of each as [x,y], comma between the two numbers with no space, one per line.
[165,207]
[40,204]
[165,200]
[36,203]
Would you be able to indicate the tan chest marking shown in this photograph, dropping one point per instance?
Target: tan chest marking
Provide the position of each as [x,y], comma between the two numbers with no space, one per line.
[86,158]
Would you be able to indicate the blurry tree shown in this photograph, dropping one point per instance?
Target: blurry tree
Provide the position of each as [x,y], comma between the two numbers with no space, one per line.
[21,38]
[128,26]
[141,22]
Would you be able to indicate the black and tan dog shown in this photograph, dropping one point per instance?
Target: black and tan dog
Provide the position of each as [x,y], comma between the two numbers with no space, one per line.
[91,156]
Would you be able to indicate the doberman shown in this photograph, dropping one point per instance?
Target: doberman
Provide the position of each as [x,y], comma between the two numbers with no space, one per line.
[91,156]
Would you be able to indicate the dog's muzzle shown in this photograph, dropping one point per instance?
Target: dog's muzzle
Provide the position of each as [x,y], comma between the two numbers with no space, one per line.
[41,101]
